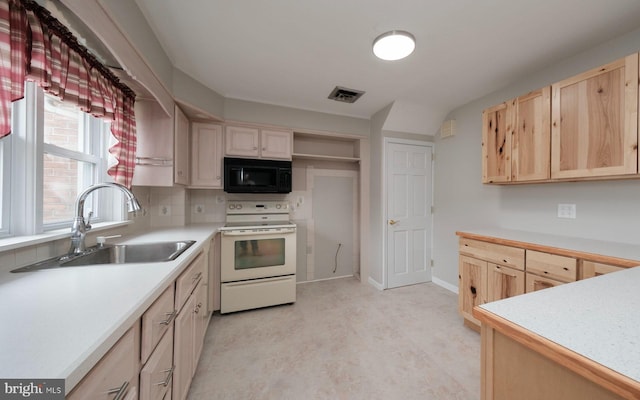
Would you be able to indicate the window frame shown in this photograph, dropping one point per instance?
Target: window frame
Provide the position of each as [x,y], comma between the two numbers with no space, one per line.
[22,169]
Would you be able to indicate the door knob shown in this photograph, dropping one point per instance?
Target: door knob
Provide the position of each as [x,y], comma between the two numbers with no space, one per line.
[392,222]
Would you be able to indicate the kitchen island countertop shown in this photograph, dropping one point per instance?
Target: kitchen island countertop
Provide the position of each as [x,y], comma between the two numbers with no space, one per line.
[595,322]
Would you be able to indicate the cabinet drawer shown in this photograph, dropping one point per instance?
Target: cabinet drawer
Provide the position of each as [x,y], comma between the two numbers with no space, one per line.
[552,266]
[116,373]
[188,280]
[157,374]
[156,320]
[592,269]
[535,283]
[495,253]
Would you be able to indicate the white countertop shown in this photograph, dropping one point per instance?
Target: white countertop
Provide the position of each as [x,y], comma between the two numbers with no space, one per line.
[58,323]
[598,318]
[613,249]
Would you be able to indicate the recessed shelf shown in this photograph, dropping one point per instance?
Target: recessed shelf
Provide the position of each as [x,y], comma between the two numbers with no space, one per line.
[325,147]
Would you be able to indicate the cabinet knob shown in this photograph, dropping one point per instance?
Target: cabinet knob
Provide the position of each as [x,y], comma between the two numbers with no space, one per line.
[179,173]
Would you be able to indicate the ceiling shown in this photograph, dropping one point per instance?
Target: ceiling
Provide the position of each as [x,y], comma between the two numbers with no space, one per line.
[293,53]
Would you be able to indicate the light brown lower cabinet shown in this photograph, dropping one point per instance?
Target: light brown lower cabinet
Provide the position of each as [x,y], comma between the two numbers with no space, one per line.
[591,269]
[158,360]
[504,282]
[472,286]
[535,283]
[157,374]
[116,374]
[512,371]
[189,337]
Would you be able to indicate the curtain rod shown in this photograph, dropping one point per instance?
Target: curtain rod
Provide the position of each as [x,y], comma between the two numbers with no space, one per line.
[58,29]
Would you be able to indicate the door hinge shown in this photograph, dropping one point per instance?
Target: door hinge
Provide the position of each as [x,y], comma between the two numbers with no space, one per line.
[433,209]
[431,262]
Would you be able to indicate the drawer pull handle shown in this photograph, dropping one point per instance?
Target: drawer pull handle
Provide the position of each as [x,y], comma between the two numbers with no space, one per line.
[165,383]
[120,392]
[170,318]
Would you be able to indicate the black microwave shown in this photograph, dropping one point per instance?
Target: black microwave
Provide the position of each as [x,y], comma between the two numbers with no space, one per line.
[247,175]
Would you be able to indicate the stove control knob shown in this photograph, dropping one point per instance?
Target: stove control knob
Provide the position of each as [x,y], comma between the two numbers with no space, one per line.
[239,206]
[278,206]
[232,206]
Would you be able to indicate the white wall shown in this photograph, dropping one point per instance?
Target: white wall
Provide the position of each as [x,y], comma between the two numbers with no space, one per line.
[607,210]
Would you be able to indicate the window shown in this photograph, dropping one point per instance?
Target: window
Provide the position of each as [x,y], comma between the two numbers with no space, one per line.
[57,151]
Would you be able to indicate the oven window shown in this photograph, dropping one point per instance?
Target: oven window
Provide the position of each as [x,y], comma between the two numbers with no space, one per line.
[259,253]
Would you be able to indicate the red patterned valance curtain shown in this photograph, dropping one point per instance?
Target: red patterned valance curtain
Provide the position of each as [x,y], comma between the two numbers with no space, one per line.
[35,46]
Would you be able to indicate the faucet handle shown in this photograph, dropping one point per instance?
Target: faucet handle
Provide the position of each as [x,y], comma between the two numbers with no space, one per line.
[87,225]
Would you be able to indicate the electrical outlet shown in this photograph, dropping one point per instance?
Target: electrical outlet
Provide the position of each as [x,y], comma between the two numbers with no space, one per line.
[198,209]
[165,211]
[567,211]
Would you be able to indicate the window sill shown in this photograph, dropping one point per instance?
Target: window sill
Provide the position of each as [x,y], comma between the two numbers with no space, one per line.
[17,242]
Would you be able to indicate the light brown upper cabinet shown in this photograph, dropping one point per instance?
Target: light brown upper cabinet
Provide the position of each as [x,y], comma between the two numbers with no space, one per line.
[516,139]
[531,136]
[497,126]
[595,122]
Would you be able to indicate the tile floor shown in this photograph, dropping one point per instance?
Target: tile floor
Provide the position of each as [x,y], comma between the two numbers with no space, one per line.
[343,340]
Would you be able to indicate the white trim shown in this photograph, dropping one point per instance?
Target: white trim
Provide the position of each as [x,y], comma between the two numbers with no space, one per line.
[445,285]
[375,284]
[387,141]
[326,279]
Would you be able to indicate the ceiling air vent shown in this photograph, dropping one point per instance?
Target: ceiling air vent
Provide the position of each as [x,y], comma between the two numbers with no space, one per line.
[345,95]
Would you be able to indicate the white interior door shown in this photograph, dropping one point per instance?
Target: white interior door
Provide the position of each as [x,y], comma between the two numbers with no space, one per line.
[409,199]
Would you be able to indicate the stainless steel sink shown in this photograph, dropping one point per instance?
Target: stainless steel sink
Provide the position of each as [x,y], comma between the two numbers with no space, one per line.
[115,254]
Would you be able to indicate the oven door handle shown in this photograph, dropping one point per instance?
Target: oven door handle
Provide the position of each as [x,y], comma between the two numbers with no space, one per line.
[253,233]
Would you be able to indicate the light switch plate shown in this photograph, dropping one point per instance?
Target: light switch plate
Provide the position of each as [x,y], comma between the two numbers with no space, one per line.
[567,211]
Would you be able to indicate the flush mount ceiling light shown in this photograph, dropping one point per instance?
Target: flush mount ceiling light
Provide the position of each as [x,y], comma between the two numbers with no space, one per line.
[394,45]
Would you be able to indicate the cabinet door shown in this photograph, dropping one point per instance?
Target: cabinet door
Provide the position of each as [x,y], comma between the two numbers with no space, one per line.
[276,144]
[206,156]
[595,122]
[532,137]
[591,269]
[200,322]
[241,141]
[157,374]
[472,286]
[183,350]
[497,126]
[181,148]
[503,282]
[535,283]
[155,141]
[116,374]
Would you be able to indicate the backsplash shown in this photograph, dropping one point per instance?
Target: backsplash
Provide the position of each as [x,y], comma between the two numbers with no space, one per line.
[162,207]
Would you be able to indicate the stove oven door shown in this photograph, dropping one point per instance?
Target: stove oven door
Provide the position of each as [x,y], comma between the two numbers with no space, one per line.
[246,254]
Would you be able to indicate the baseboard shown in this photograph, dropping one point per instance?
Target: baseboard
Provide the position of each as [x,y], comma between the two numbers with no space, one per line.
[445,285]
[375,284]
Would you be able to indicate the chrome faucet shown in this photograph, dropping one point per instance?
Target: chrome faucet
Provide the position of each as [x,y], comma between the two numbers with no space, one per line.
[80,228]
